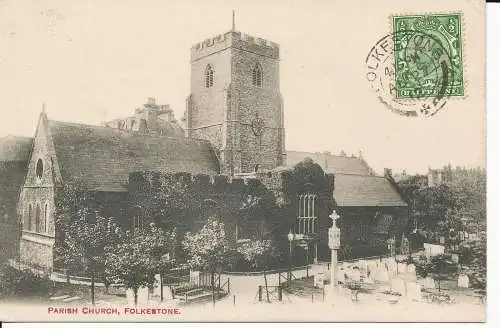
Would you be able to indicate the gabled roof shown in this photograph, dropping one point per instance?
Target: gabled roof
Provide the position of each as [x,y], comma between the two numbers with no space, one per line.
[102,158]
[330,163]
[364,190]
[15,148]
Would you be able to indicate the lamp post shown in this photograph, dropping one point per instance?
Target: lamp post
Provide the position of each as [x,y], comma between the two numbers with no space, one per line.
[291,239]
[334,244]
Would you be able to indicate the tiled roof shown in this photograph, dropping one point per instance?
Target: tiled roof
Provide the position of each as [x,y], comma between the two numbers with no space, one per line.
[363,190]
[101,158]
[330,163]
[14,148]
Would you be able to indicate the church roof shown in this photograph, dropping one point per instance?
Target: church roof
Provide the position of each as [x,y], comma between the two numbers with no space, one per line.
[15,148]
[102,158]
[365,190]
[330,163]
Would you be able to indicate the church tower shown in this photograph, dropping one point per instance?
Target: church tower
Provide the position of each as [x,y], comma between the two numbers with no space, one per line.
[235,101]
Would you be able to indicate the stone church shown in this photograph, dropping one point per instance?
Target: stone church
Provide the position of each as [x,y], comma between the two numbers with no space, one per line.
[233,126]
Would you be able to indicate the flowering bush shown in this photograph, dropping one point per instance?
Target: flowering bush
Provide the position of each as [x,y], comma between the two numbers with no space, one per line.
[208,249]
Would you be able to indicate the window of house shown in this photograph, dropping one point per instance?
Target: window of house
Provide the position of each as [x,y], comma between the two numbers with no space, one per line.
[39,168]
[209,76]
[307,219]
[257,75]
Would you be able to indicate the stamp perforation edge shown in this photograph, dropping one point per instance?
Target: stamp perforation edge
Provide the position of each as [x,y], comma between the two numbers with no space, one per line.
[464,47]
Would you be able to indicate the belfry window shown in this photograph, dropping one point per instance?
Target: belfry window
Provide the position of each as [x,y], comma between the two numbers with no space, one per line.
[209,77]
[257,75]
[307,220]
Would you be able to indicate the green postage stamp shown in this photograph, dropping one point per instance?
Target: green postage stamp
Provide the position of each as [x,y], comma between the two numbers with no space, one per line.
[428,56]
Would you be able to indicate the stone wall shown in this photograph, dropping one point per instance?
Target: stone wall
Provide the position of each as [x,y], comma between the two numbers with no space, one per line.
[37,249]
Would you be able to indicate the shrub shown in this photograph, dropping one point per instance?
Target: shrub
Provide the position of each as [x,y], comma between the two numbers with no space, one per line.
[22,282]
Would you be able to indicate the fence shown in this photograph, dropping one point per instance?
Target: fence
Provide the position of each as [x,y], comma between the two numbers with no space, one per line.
[272,293]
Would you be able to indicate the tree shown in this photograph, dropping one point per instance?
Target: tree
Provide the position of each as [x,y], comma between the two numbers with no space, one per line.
[162,248]
[136,259]
[256,254]
[473,257]
[85,240]
[208,249]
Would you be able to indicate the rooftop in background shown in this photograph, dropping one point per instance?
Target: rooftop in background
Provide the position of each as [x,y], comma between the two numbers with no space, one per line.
[150,118]
[331,163]
[363,190]
[15,148]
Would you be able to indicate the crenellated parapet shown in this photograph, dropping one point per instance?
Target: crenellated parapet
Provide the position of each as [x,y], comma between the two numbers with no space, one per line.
[236,40]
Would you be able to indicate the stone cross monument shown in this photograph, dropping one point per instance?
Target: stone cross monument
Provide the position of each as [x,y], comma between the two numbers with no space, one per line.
[334,244]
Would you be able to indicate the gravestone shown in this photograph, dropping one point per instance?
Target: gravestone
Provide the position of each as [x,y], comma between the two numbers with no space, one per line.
[319,279]
[411,274]
[143,295]
[392,268]
[463,281]
[454,258]
[429,283]
[355,275]
[157,287]
[413,291]
[130,296]
[341,275]
[372,271]
[398,285]
[402,268]
[363,266]
[167,293]
[383,275]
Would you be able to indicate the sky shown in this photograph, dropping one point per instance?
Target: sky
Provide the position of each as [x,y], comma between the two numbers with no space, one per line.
[91,61]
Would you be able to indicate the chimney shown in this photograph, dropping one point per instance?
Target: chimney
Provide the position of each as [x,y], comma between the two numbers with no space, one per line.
[387,173]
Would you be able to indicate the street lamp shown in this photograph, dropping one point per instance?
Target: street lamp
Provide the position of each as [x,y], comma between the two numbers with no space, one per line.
[291,239]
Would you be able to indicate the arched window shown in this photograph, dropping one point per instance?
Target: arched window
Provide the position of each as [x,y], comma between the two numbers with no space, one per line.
[307,219]
[137,222]
[39,168]
[45,219]
[257,75]
[37,219]
[27,219]
[209,76]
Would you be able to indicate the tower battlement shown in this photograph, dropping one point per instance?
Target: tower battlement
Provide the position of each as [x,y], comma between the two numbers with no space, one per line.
[236,40]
